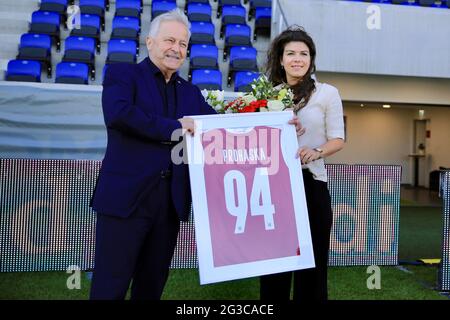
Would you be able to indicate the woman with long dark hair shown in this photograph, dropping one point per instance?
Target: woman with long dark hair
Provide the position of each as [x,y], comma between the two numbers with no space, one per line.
[291,62]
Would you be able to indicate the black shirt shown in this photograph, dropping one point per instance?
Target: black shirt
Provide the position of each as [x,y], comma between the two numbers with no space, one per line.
[167,90]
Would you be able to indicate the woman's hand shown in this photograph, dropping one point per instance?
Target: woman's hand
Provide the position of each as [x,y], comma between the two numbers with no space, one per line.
[298,126]
[308,155]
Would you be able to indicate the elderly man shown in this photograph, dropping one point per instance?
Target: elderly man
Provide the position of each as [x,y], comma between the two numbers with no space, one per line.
[141,195]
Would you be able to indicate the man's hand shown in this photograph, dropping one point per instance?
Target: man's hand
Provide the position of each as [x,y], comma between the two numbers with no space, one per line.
[298,126]
[187,124]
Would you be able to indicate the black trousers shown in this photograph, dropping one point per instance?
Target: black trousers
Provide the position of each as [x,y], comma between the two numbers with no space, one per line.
[138,249]
[309,284]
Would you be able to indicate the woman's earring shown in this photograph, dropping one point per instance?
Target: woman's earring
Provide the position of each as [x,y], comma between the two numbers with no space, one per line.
[282,67]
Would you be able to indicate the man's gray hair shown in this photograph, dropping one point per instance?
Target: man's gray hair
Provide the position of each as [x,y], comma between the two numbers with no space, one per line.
[173,15]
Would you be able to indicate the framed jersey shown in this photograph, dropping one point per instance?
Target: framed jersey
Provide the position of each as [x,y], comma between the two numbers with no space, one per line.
[248,198]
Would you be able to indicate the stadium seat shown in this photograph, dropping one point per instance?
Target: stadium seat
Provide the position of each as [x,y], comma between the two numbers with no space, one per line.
[121,51]
[199,12]
[263,21]
[203,56]
[72,72]
[433,3]
[426,3]
[36,47]
[236,35]
[126,28]
[94,7]
[441,4]
[80,49]
[405,2]
[226,3]
[243,79]
[58,6]
[45,22]
[160,7]
[255,4]
[128,8]
[242,59]
[89,27]
[202,32]
[207,79]
[232,15]
[23,70]
[194,1]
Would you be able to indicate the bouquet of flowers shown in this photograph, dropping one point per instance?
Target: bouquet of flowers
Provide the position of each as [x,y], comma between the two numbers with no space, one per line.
[263,97]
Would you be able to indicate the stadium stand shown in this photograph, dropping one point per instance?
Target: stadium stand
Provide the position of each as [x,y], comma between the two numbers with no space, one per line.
[119,28]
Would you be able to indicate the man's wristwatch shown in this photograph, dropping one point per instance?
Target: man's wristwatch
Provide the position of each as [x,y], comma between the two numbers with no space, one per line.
[319,151]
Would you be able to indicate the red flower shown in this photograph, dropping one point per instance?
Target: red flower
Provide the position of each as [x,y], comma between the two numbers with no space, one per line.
[262,103]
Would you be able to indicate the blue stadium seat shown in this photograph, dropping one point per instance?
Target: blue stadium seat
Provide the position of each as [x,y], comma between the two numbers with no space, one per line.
[94,7]
[263,21]
[236,35]
[36,47]
[405,2]
[121,51]
[255,4]
[80,49]
[126,28]
[193,1]
[226,3]
[202,32]
[160,7]
[23,70]
[441,4]
[128,8]
[72,72]
[203,56]
[433,3]
[426,3]
[207,79]
[58,6]
[232,15]
[242,59]
[199,12]
[243,79]
[46,22]
[89,27]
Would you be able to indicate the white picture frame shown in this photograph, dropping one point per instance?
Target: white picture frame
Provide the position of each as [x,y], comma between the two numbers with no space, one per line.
[249,253]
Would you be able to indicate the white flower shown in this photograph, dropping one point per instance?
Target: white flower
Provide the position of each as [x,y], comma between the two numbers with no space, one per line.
[229,111]
[218,107]
[205,92]
[263,109]
[219,95]
[249,98]
[275,105]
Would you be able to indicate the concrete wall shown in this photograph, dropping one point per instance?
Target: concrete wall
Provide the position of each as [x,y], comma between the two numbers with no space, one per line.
[361,37]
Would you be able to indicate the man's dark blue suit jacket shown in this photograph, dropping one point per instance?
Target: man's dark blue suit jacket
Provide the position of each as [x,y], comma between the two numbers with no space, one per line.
[137,129]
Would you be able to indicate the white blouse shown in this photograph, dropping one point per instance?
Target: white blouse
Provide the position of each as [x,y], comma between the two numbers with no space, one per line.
[323,120]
